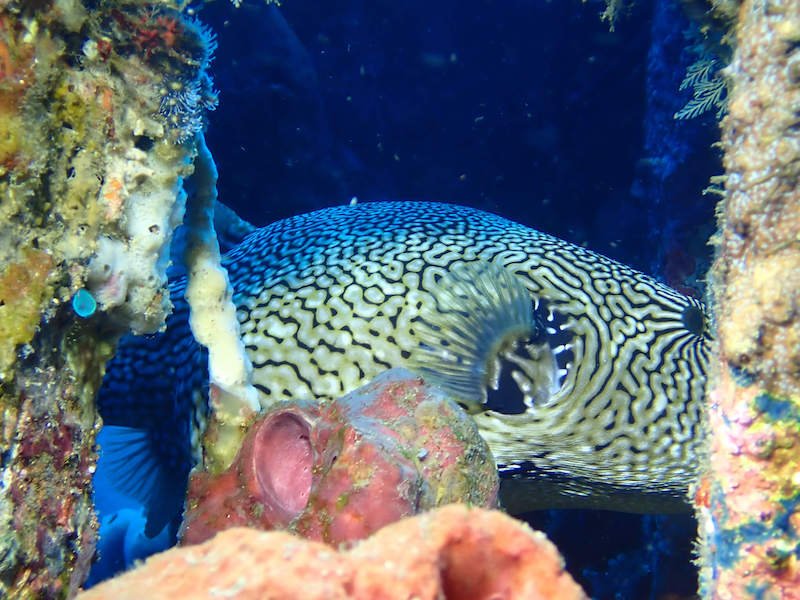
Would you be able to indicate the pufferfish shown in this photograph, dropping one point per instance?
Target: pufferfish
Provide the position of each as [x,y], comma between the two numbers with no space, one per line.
[585,377]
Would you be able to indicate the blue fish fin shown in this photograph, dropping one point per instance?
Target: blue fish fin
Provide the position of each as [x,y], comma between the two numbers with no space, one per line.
[136,469]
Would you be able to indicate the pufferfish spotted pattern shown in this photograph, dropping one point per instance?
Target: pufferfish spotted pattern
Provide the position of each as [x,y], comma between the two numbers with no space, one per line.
[585,376]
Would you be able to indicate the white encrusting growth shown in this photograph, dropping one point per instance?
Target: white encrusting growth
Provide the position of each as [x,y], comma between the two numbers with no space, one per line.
[142,195]
[233,398]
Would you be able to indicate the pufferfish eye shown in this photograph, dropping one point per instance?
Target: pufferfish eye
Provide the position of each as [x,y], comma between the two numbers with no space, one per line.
[694,320]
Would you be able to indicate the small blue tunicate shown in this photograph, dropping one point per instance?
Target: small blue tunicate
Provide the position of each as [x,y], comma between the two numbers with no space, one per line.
[84,304]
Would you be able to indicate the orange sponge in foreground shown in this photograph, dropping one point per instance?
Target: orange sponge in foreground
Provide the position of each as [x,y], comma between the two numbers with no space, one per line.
[451,553]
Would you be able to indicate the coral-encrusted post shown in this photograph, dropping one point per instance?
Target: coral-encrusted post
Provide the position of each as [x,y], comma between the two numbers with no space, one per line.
[100,103]
[749,504]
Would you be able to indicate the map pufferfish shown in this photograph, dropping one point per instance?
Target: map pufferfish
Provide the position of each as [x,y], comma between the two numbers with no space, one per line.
[585,377]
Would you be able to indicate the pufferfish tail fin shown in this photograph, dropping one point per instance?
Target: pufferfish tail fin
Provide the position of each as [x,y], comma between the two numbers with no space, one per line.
[480,311]
[132,461]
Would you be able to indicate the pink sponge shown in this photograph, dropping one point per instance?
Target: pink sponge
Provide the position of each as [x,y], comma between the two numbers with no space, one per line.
[338,471]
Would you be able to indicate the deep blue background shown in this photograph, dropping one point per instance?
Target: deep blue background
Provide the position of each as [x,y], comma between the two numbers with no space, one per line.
[532,109]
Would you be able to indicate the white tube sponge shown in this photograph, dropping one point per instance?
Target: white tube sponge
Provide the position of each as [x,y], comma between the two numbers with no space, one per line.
[213,321]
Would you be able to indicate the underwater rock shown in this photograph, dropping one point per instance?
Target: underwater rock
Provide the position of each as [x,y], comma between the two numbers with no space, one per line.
[339,471]
[455,552]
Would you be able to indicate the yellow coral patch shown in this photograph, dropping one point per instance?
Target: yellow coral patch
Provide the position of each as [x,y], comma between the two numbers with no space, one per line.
[23,287]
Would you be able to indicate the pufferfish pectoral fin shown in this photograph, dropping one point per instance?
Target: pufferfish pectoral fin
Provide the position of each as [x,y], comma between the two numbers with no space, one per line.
[131,458]
[479,313]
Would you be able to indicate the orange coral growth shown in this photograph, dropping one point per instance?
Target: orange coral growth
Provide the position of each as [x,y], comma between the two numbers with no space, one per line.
[170,30]
[15,58]
[106,99]
[11,132]
[114,196]
[6,66]
[151,31]
[16,75]
[452,553]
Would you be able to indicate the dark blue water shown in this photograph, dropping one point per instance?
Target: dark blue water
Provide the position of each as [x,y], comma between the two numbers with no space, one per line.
[531,109]
[528,108]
